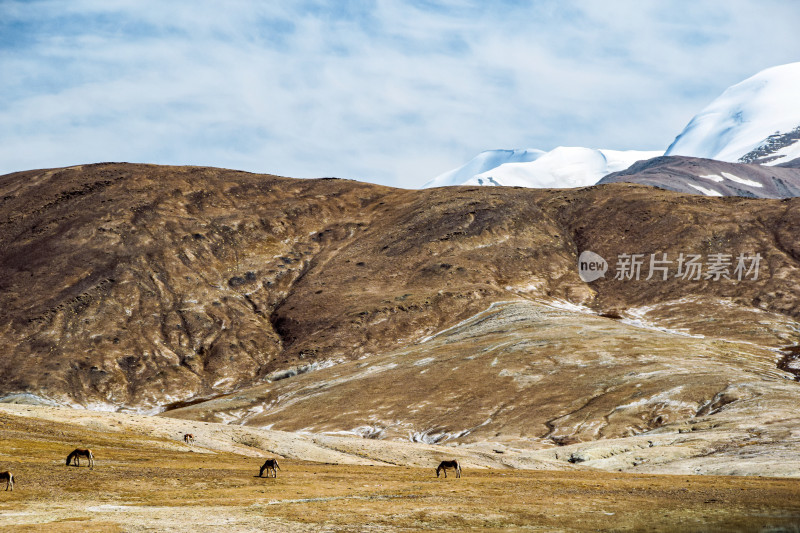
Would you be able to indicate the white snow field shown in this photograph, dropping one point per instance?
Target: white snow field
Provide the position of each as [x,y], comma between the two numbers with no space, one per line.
[559,168]
[481,163]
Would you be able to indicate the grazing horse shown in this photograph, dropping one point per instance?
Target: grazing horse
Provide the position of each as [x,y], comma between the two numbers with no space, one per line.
[188,439]
[445,465]
[77,453]
[8,477]
[270,464]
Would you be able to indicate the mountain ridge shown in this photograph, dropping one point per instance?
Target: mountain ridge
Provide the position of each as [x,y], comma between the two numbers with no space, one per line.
[754,121]
[143,285]
[454,316]
[710,177]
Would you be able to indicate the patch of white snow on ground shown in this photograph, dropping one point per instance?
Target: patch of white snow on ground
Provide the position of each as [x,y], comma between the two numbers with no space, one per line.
[662,398]
[743,181]
[365,432]
[713,177]
[379,368]
[637,319]
[567,306]
[437,436]
[251,412]
[463,322]
[707,192]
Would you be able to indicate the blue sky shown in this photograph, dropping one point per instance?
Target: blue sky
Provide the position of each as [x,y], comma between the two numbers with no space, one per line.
[393,92]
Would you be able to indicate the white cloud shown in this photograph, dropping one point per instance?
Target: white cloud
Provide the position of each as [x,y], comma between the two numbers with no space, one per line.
[388,91]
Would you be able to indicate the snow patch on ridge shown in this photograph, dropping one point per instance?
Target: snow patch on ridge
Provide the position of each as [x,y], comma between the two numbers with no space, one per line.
[564,305]
[707,192]
[636,319]
[743,181]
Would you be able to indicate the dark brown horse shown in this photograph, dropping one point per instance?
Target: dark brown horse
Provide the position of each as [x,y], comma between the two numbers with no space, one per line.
[270,464]
[77,453]
[8,477]
[445,465]
[188,439]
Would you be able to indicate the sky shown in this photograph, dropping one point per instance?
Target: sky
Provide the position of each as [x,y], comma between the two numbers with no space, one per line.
[392,92]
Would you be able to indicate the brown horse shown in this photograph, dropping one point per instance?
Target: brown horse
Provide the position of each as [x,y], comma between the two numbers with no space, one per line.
[188,439]
[8,477]
[77,453]
[270,464]
[445,465]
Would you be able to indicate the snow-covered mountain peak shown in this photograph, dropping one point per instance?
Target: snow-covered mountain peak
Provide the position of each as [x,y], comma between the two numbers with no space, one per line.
[565,166]
[481,163]
[754,121]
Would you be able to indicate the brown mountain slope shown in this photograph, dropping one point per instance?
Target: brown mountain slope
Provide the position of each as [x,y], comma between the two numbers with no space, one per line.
[535,382]
[138,286]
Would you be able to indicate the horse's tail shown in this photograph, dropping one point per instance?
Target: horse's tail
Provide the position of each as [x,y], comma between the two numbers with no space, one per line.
[277,465]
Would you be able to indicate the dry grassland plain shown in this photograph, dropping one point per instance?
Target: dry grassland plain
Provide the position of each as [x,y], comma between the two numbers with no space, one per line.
[143,482]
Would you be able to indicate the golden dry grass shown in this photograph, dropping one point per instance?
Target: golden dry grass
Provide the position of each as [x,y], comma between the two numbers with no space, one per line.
[136,488]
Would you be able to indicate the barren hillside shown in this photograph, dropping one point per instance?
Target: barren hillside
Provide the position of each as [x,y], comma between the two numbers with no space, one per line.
[452,315]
